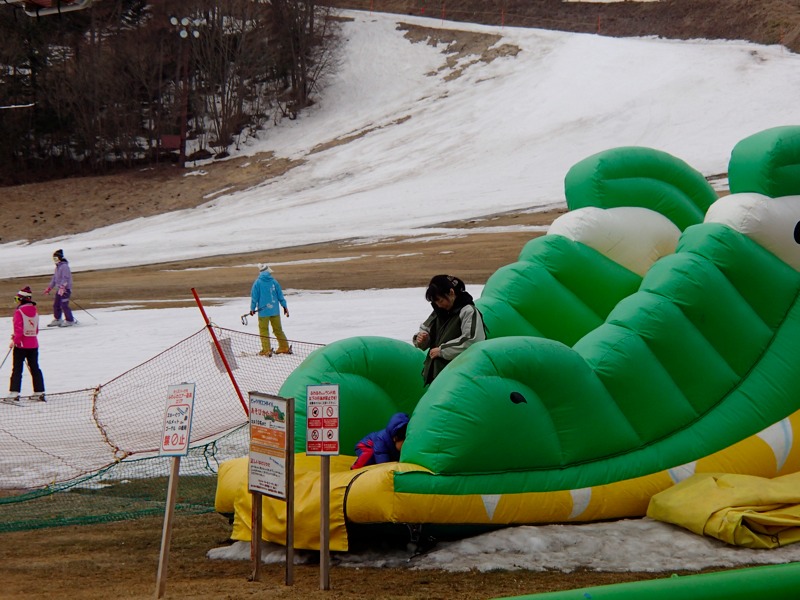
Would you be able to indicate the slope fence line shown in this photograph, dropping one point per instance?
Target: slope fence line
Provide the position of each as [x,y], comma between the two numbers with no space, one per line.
[92,455]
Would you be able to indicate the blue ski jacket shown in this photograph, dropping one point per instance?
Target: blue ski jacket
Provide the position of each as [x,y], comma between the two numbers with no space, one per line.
[266,296]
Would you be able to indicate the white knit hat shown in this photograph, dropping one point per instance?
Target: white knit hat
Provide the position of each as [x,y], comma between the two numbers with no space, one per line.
[264,267]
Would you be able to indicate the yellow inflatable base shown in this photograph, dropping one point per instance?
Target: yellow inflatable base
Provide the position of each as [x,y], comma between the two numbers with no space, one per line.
[369,496]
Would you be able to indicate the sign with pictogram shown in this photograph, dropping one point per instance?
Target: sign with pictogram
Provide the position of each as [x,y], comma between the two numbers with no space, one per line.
[267,474]
[322,420]
[177,420]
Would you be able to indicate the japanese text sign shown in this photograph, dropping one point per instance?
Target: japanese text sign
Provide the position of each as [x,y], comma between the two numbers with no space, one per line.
[322,420]
[267,471]
[177,420]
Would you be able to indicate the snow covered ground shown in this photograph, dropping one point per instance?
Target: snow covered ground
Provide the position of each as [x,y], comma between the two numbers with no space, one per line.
[640,545]
[500,137]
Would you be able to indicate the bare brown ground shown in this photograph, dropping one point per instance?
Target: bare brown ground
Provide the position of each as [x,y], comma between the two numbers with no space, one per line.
[120,560]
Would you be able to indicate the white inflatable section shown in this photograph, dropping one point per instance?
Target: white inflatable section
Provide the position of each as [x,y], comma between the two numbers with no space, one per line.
[779,438]
[771,222]
[632,236]
[580,502]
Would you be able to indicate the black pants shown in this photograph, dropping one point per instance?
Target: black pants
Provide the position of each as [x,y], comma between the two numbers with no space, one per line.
[32,356]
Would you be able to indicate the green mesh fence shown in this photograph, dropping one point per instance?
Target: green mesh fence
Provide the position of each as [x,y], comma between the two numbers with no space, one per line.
[91,455]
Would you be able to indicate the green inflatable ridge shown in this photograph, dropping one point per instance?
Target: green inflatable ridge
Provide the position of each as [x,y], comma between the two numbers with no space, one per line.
[767,163]
[671,376]
[636,176]
[558,289]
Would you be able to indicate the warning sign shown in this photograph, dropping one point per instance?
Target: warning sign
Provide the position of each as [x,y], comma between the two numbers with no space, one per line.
[322,420]
[177,420]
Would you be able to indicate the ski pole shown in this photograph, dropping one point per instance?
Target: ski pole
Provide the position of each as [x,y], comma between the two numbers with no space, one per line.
[247,314]
[5,358]
[83,309]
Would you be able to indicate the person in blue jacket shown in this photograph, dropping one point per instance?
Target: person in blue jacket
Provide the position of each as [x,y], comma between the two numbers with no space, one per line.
[266,298]
[383,445]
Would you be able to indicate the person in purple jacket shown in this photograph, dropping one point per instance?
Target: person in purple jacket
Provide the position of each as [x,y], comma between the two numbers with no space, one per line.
[62,284]
[383,445]
[25,343]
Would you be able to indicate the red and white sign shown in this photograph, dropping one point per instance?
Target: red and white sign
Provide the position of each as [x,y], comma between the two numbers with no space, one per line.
[177,420]
[322,420]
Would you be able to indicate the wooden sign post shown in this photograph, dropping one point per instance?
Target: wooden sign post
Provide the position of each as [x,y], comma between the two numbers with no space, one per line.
[322,439]
[271,470]
[175,443]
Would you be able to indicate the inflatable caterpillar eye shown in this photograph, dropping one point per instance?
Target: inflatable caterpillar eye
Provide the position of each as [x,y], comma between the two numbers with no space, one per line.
[518,398]
[797,232]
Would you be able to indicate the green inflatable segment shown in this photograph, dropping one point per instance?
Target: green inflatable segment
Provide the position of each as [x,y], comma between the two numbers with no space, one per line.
[380,376]
[767,163]
[558,289]
[377,377]
[644,177]
[696,374]
[507,405]
[591,374]
[692,363]
[776,582]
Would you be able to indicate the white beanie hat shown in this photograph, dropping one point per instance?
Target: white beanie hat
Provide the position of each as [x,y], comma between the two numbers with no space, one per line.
[264,267]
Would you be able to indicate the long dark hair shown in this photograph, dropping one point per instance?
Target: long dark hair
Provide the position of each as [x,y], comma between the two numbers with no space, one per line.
[440,287]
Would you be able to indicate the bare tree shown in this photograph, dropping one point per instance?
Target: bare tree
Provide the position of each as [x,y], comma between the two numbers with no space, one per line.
[107,83]
[303,35]
[230,53]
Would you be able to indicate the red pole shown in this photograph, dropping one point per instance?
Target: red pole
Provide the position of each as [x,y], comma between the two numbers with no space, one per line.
[221,353]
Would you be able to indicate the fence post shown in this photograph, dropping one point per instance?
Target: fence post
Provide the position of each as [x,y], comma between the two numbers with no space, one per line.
[221,353]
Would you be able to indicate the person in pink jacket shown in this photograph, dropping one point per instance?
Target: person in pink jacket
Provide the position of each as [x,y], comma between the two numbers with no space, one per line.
[25,343]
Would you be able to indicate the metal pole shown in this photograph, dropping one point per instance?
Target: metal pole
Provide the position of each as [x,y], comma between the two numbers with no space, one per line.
[184,103]
[325,522]
[5,358]
[83,309]
[221,353]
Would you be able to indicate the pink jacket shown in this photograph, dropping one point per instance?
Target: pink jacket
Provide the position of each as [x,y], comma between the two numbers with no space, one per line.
[26,326]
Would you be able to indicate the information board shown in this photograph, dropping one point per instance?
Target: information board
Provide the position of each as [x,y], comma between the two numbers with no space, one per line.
[268,445]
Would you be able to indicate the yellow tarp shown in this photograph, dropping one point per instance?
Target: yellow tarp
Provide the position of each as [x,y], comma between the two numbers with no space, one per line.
[232,492]
[741,510]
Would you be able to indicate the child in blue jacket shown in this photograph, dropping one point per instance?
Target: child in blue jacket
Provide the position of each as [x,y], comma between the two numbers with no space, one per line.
[383,445]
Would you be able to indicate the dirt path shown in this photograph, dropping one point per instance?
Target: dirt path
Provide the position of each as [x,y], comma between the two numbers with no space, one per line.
[345,265]
[119,560]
